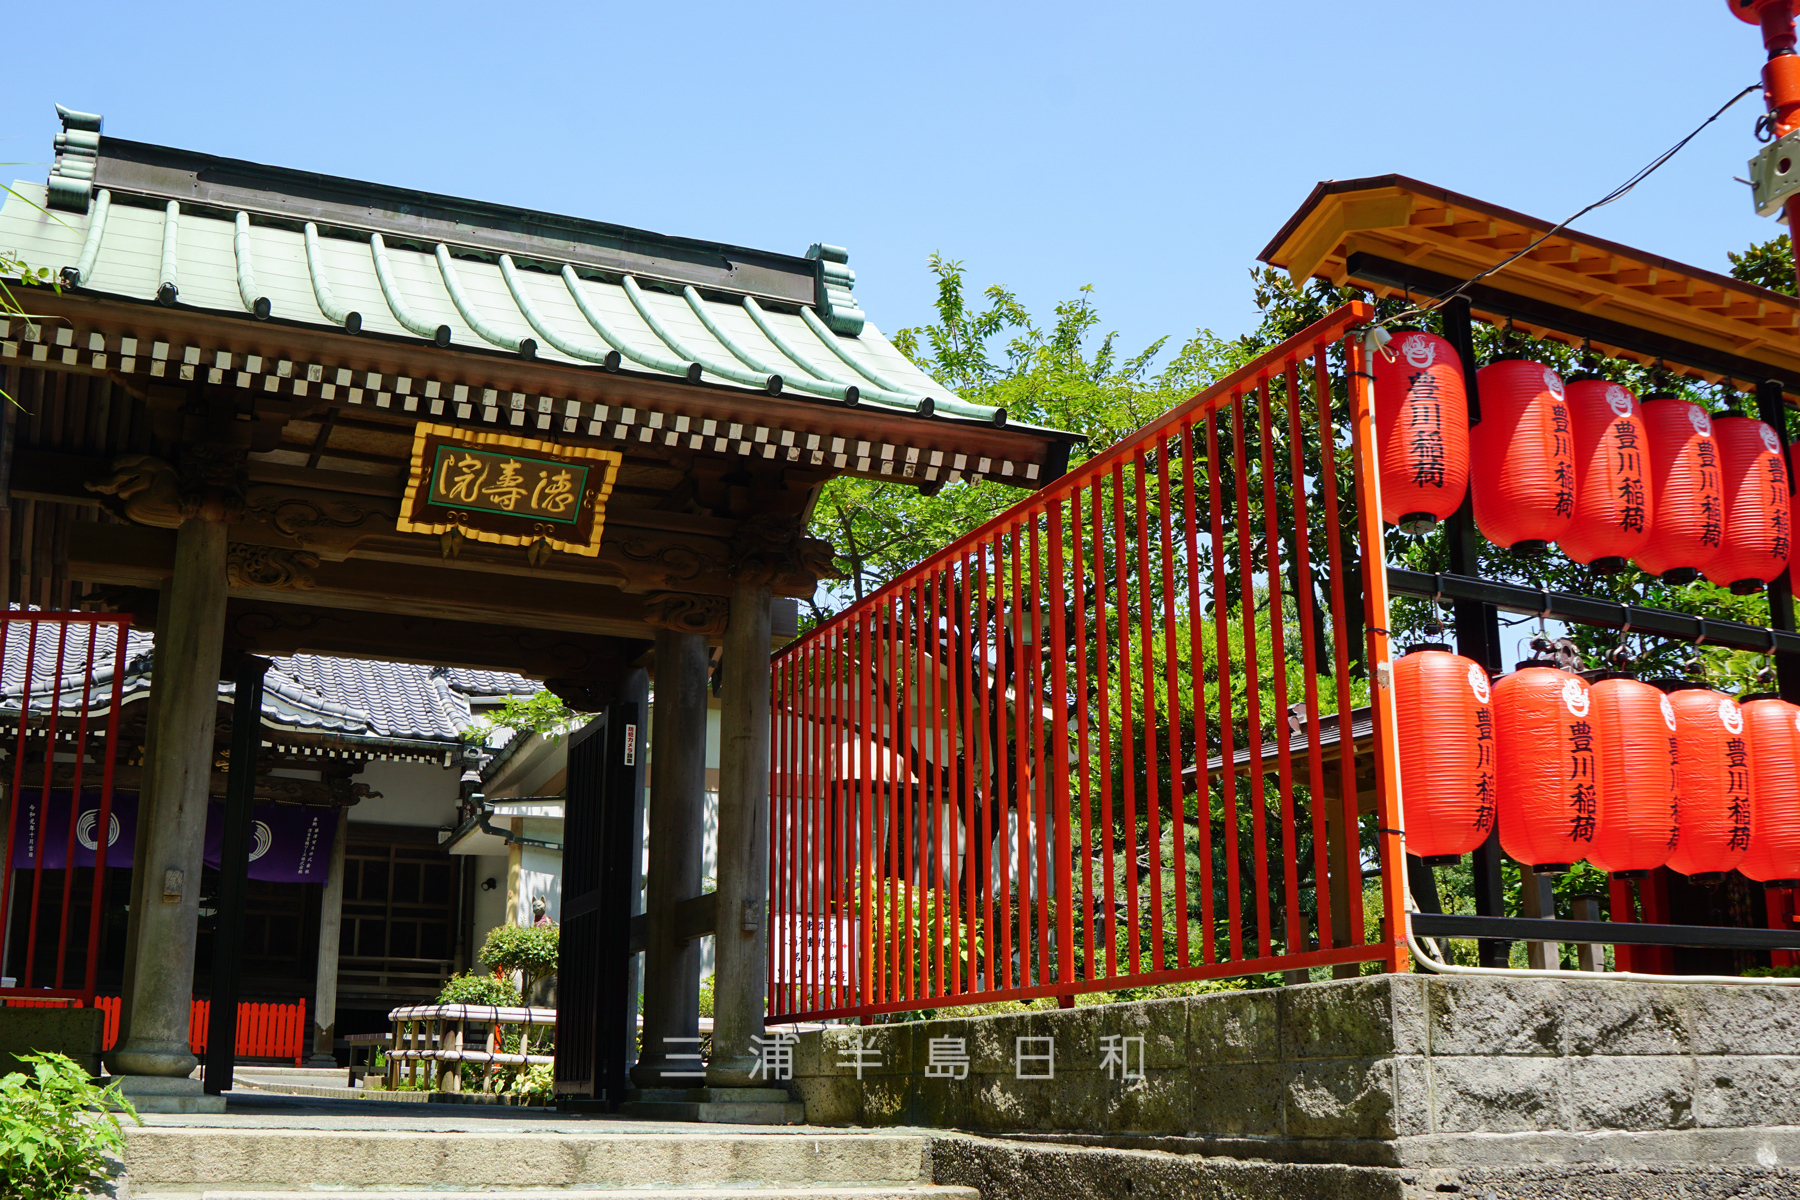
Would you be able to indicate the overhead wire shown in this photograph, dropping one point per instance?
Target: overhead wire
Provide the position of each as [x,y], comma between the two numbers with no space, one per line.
[1617,193]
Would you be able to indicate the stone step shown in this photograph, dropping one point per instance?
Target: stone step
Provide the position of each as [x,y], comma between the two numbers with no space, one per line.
[920,1191]
[200,1159]
[717,1112]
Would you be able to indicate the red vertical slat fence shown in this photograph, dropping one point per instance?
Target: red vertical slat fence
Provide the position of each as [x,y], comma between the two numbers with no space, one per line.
[1088,746]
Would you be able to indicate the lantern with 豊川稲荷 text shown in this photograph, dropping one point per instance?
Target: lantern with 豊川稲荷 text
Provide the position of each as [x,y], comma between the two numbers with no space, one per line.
[1634,741]
[1441,704]
[1687,515]
[1522,456]
[1772,729]
[1713,768]
[1547,778]
[1422,422]
[1754,549]
[1612,470]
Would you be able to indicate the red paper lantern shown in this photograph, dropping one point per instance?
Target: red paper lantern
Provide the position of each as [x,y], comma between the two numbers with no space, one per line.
[1755,548]
[1522,456]
[1713,767]
[1687,525]
[1772,728]
[1422,422]
[1546,776]
[1612,471]
[1441,702]
[1635,741]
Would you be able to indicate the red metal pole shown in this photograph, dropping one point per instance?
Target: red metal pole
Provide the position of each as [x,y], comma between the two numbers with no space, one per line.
[1234,896]
[1381,696]
[1192,475]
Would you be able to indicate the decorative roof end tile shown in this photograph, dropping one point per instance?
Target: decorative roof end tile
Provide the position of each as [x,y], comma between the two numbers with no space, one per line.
[831,289]
[71,182]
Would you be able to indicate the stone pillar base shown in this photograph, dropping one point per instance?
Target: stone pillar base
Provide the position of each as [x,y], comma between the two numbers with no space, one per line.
[166,1060]
[715,1106]
[162,1094]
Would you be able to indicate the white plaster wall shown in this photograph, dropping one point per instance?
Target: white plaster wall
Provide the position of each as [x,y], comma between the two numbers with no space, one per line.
[540,873]
[418,794]
[490,907]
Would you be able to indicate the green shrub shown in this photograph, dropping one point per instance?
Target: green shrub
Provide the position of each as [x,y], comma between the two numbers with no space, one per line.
[529,949]
[479,987]
[56,1130]
[538,1079]
[706,996]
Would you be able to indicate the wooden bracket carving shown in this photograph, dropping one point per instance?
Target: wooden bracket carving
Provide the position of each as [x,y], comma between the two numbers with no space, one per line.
[684,612]
[270,567]
[770,546]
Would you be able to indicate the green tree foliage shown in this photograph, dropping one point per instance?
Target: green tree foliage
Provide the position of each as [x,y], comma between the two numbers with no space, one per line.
[57,1130]
[1767,264]
[994,352]
[528,949]
[543,713]
[479,987]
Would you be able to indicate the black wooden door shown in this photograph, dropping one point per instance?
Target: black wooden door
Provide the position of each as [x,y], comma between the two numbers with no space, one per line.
[596,1003]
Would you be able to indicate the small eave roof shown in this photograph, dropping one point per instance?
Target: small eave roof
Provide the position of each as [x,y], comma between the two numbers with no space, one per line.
[392,709]
[1395,218]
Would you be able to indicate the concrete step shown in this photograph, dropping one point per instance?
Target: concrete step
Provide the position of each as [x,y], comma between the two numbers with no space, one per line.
[200,1159]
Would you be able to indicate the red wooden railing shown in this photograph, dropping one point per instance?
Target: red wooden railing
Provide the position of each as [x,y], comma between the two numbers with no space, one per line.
[64,673]
[263,1030]
[1035,763]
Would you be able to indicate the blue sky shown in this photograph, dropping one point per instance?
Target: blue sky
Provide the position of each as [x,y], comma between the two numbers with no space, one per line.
[1147,149]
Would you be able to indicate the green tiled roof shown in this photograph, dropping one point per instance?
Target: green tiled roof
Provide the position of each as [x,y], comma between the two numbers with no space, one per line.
[150,224]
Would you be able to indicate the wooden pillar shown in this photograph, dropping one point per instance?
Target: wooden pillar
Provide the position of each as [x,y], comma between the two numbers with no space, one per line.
[677,832]
[741,934]
[1538,899]
[145,813]
[187,676]
[331,924]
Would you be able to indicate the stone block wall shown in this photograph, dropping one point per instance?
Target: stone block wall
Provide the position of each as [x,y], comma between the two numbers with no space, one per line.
[1374,1060]
[75,1032]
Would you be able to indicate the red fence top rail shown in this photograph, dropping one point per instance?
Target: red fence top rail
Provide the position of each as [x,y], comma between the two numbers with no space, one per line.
[1323,332]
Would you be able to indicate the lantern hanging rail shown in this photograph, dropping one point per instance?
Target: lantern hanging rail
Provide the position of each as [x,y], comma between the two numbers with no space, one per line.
[1496,301]
[1594,611]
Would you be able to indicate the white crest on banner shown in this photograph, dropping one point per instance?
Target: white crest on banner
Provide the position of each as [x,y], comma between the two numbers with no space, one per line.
[84,829]
[264,838]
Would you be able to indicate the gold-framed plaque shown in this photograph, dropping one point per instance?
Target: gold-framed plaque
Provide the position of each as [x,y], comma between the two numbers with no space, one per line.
[513,491]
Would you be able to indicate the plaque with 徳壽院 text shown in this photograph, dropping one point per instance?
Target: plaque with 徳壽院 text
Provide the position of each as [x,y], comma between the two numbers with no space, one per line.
[495,487]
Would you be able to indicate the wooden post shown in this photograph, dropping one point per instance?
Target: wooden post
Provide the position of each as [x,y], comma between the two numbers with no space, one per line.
[740,937]
[452,1042]
[676,850]
[1539,900]
[188,678]
[331,923]
[234,870]
[1588,956]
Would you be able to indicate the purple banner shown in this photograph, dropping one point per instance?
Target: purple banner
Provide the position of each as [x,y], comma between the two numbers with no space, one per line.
[288,844]
[54,830]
